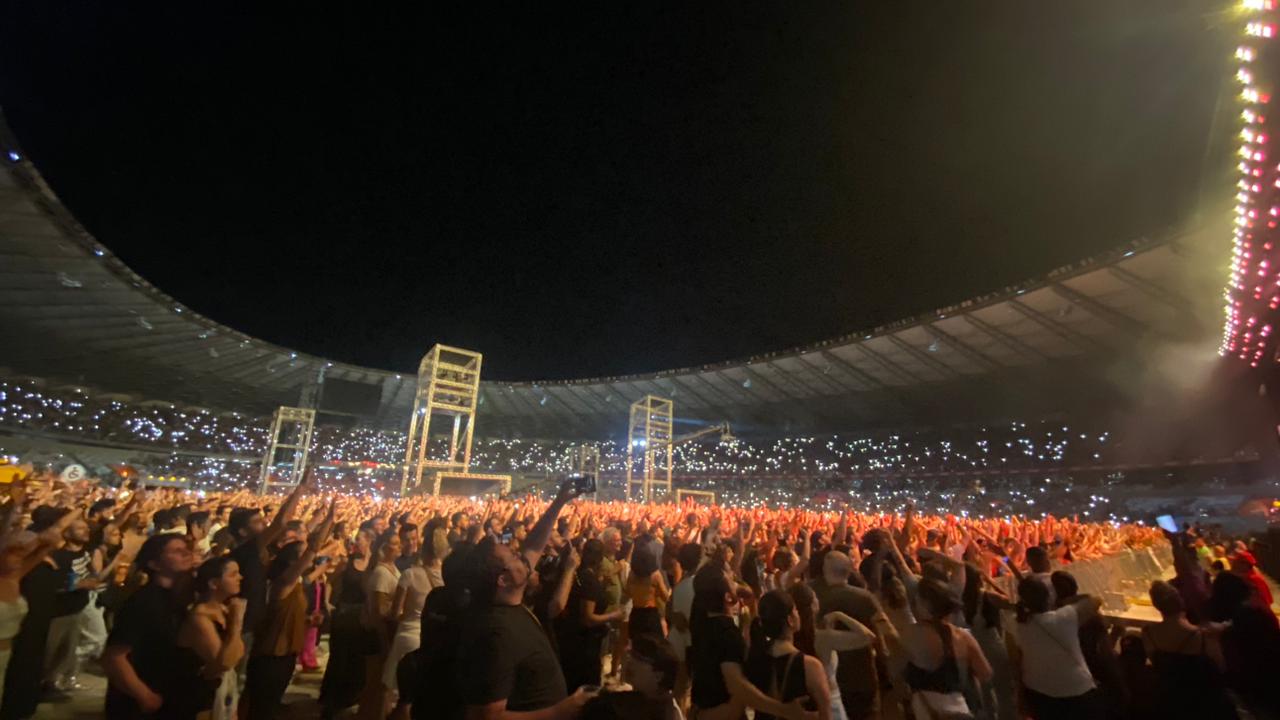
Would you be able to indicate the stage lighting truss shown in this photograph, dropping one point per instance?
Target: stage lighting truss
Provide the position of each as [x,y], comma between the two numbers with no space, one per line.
[448,393]
[649,446]
[704,496]
[585,459]
[286,456]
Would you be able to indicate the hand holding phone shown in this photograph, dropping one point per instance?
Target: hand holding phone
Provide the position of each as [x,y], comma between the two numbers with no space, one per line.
[583,483]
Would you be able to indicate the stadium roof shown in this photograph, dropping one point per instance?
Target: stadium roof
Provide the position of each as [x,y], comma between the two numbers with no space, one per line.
[74,313]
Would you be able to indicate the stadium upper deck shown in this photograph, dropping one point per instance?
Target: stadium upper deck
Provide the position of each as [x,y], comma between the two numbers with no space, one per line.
[74,313]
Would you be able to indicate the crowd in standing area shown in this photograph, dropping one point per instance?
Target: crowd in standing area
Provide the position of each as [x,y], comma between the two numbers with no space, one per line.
[526,609]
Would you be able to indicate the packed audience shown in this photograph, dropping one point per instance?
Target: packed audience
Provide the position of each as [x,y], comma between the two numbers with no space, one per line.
[1018,467]
[440,607]
[1009,446]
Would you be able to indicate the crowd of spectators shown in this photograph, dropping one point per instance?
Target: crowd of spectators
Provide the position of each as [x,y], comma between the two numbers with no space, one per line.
[1014,468]
[200,605]
[1014,445]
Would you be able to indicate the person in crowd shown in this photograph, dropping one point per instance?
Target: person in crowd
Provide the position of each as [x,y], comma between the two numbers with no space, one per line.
[28,585]
[505,663]
[680,611]
[776,666]
[74,562]
[858,677]
[584,626]
[651,670]
[198,533]
[253,537]
[1096,645]
[210,644]
[408,546]
[613,573]
[415,584]
[141,659]
[940,655]
[1245,565]
[1250,642]
[280,637]
[721,690]
[350,641]
[1056,682]
[1187,659]
[315,587]
[380,622]
[647,590]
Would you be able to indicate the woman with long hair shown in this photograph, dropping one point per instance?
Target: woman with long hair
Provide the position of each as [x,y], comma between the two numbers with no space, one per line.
[381,579]
[209,641]
[415,584]
[775,666]
[283,631]
[1188,660]
[836,632]
[349,640]
[583,627]
[940,655]
[647,589]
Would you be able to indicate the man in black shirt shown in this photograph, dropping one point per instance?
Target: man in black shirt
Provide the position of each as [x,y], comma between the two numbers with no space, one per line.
[720,688]
[72,563]
[506,667]
[253,537]
[142,657]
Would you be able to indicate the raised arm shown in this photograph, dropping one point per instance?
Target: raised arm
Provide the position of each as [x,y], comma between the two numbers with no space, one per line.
[314,541]
[284,514]
[537,539]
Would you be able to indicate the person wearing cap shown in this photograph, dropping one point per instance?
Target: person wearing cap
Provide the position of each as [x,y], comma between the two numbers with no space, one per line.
[1244,564]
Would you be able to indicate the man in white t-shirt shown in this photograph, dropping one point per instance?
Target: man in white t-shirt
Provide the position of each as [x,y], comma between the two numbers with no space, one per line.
[1054,672]
[690,557]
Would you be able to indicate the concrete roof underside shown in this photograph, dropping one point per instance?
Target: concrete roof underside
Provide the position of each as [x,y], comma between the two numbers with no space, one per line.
[73,313]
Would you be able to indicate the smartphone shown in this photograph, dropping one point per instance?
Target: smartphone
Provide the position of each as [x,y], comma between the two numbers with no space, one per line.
[583,483]
[1166,522]
[507,537]
[322,560]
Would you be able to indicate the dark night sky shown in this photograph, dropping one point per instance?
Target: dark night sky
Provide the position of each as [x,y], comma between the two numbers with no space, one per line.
[583,190]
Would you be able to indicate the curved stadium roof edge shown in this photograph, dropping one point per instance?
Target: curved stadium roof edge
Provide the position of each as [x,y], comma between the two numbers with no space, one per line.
[102,324]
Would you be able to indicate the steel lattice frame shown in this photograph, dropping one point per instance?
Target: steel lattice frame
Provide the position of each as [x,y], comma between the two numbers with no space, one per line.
[287,417]
[649,428]
[682,494]
[585,459]
[448,388]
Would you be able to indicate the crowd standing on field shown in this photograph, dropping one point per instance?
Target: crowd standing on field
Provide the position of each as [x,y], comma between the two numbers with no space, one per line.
[443,607]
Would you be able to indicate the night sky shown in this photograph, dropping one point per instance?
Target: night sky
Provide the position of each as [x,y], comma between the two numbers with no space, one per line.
[581,190]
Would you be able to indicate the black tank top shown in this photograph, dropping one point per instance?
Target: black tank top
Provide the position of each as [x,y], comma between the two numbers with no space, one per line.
[781,678]
[943,679]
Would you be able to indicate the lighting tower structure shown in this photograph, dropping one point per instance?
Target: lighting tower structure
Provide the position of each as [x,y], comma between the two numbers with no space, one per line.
[585,459]
[1253,293]
[649,436]
[290,432]
[448,392]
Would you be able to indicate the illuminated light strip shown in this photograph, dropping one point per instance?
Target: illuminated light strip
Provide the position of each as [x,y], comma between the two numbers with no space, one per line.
[1252,302]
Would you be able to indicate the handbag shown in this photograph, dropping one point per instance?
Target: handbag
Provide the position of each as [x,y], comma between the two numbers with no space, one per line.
[225,698]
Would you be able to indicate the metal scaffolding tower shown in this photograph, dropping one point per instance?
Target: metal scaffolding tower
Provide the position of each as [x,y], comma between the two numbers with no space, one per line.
[448,392]
[291,433]
[649,438]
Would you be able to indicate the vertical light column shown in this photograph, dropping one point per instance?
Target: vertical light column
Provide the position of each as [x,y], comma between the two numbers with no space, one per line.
[1253,293]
